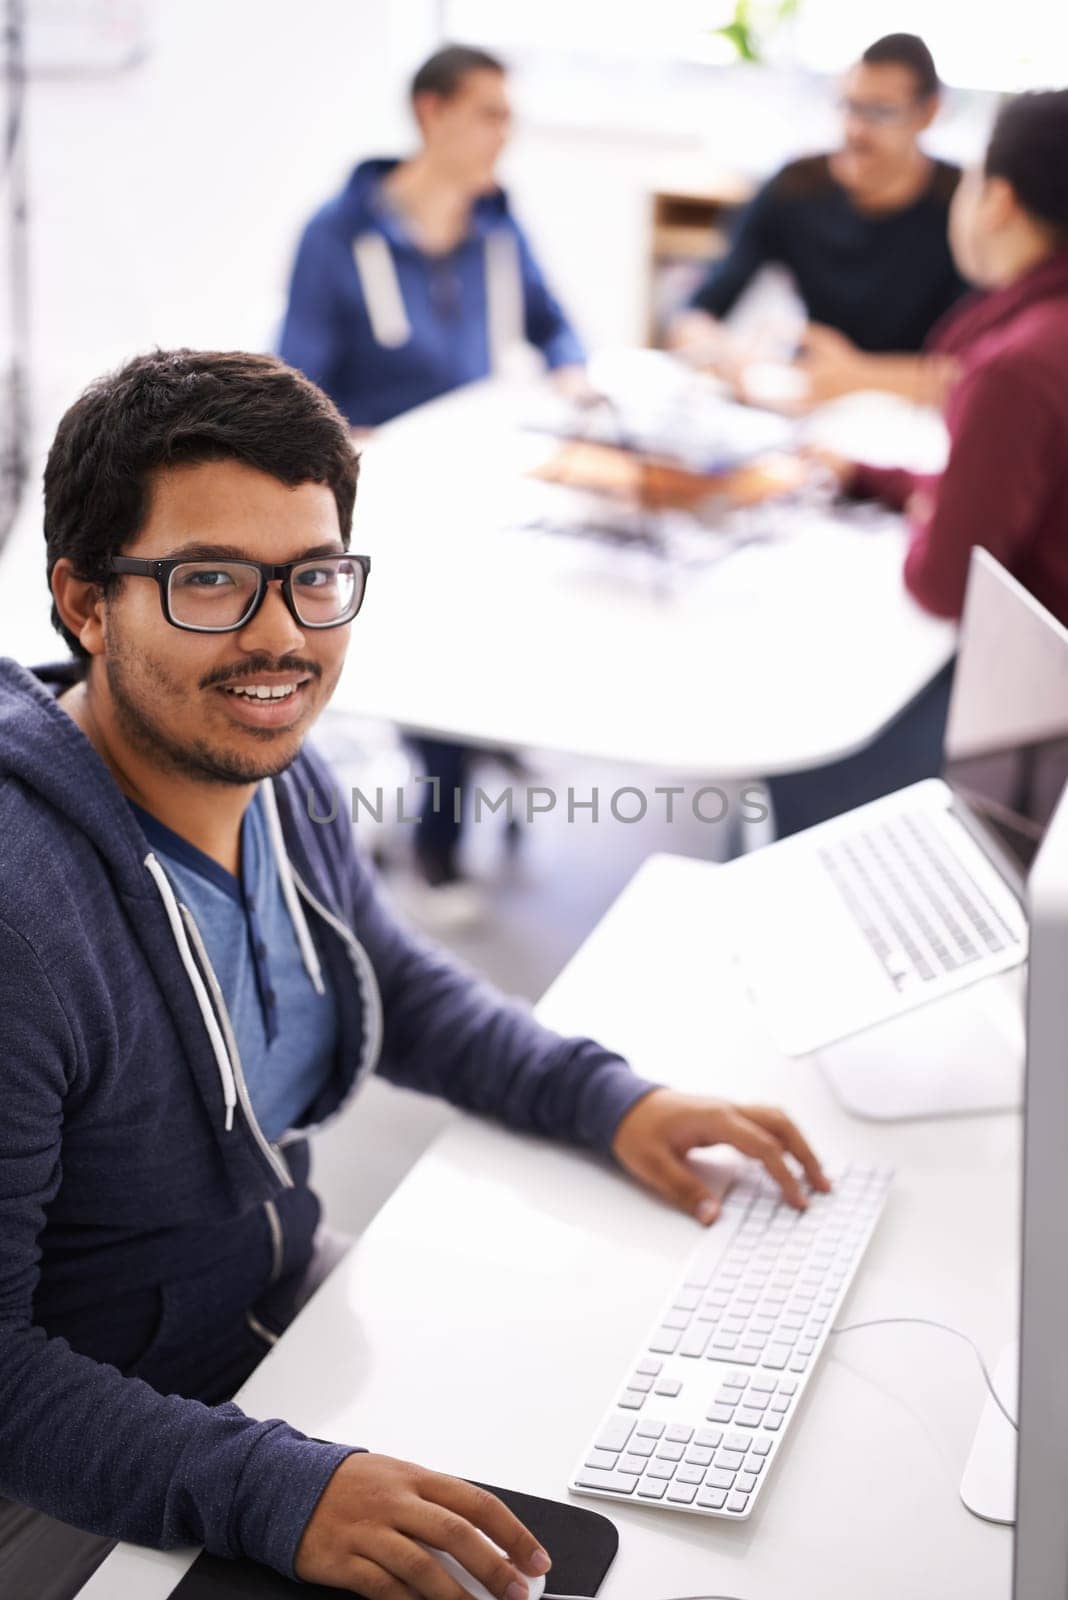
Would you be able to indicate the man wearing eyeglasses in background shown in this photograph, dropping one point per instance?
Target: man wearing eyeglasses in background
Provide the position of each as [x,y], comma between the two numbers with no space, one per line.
[196,971]
[862,230]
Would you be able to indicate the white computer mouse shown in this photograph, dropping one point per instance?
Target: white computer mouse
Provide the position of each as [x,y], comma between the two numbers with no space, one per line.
[471,1586]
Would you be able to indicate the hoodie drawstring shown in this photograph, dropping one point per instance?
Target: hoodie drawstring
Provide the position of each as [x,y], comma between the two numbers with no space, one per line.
[289,892]
[211,1022]
[381,289]
[383,297]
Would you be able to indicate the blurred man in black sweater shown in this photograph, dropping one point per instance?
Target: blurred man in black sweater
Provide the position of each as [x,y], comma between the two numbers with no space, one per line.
[863,232]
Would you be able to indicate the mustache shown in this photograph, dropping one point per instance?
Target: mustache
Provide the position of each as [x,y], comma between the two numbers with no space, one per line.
[256,666]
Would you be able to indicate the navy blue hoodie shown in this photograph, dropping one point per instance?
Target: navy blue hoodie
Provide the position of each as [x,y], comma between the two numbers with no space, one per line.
[152,1242]
[382,326]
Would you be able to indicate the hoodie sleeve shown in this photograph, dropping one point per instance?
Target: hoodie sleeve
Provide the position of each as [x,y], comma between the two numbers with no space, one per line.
[545,324]
[446,1032]
[313,331]
[78,1439]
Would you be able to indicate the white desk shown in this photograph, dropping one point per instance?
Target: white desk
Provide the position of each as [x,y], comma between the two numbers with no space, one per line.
[782,656]
[483,1321]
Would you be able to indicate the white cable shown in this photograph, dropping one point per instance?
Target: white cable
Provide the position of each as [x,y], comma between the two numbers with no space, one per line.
[929,1322]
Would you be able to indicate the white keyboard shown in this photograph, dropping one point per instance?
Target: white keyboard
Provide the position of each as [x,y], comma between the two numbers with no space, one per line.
[706,1404]
[914,900]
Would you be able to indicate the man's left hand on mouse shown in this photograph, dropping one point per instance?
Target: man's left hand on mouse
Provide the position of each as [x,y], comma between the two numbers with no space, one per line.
[657,1134]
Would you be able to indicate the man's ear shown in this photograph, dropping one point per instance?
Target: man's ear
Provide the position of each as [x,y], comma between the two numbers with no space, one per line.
[80,605]
[929,108]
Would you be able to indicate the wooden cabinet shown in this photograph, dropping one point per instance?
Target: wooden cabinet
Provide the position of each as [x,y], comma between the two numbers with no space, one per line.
[689,227]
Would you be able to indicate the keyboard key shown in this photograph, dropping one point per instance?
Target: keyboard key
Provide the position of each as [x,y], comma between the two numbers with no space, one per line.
[633,1464]
[603,1459]
[776,1356]
[631,1400]
[679,1435]
[665,1341]
[729,1460]
[712,1499]
[651,1489]
[682,1493]
[690,1472]
[720,1414]
[611,1482]
[708,1438]
[780,1403]
[738,1502]
[641,1447]
[660,1469]
[640,1383]
[753,1462]
[615,1433]
[669,1387]
[759,1447]
[756,1402]
[773,1424]
[746,1483]
[669,1452]
[686,1299]
[787,1386]
[677,1319]
[737,1441]
[718,1478]
[698,1456]
[695,1340]
[763,1385]
[748,1418]
[648,1365]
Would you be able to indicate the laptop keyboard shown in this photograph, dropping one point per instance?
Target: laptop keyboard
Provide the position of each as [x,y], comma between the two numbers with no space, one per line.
[920,910]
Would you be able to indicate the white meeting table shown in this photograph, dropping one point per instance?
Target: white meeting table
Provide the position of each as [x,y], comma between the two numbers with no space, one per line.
[482,1323]
[781,656]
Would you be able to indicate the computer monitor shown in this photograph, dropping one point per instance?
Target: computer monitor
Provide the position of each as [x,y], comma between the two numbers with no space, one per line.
[1041,1556]
[1006,741]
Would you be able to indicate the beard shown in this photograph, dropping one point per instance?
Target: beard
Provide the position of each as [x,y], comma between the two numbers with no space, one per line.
[135,681]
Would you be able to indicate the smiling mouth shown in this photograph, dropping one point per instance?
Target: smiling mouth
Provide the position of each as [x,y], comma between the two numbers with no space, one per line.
[264,691]
[260,704]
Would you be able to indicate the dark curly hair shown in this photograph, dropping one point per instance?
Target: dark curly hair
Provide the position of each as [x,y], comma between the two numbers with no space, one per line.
[178,408]
[1029,149]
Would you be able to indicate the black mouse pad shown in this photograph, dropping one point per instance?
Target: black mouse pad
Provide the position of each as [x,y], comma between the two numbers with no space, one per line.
[582,1544]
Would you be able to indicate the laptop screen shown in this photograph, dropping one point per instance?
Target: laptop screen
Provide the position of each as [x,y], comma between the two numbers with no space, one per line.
[1006,743]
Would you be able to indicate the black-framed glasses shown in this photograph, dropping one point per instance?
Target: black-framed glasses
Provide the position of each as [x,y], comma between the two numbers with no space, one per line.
[875,113]
[220,596]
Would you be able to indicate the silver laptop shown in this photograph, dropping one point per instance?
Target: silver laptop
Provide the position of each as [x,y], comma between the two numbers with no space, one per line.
[913,899]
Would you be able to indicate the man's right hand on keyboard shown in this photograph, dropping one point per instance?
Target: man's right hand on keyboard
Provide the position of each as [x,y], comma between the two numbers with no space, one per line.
[657,1134]
[368,1530]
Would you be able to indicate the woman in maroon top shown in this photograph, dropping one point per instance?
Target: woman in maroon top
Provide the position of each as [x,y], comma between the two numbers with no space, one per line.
[1005,483]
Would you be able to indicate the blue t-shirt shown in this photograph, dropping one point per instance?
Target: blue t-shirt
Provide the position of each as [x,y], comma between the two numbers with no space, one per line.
[287,1034]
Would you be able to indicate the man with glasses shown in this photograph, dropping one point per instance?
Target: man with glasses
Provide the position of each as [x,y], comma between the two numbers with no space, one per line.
[863,232]
[196,971]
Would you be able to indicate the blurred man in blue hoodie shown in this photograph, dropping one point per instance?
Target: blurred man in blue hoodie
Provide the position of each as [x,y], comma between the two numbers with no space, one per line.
[416,279]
